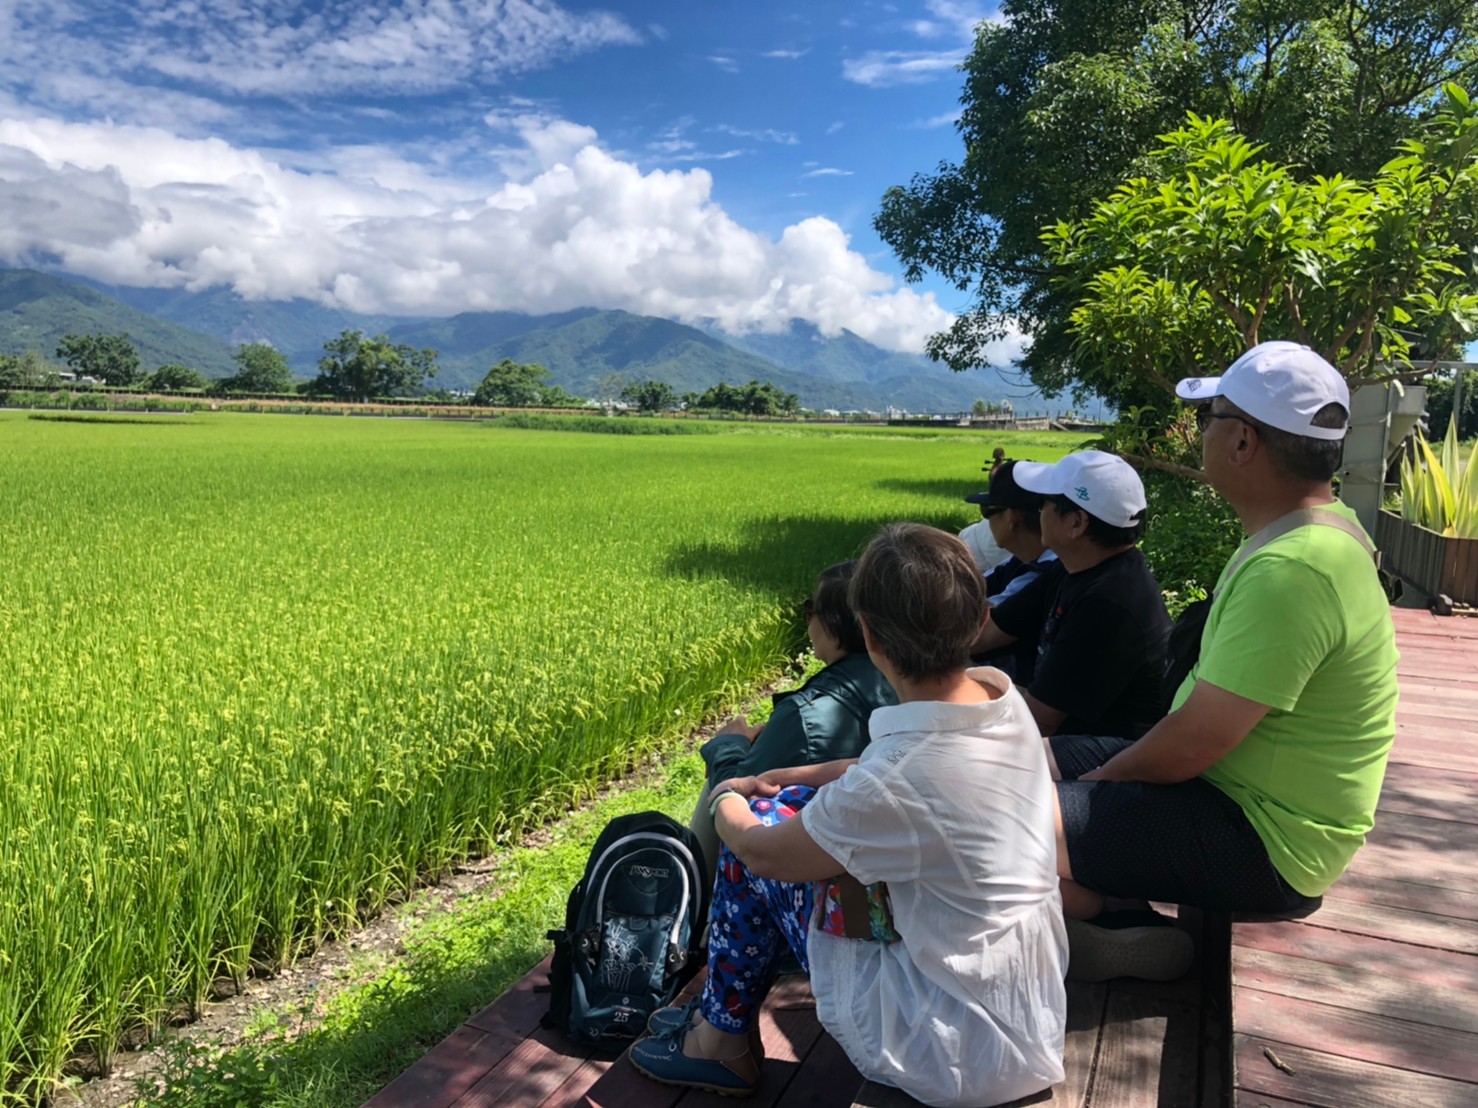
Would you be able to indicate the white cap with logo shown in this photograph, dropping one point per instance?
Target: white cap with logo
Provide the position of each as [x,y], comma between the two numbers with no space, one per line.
[1103,485]
[1281,384]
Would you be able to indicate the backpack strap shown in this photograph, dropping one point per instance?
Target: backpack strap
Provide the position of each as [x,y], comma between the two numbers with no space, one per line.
[1283,525]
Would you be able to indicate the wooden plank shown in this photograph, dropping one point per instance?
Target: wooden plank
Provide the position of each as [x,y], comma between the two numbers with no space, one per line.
[1329,1080]
[1431,723]
[1147,1055]
[1441,849]
[1399,892]
[1383,922]
[1417,967]
[517,1011]
[1421,790]
[827,1079]
[532,1071]
[1350,1033]
[452,1067]
[1353,987]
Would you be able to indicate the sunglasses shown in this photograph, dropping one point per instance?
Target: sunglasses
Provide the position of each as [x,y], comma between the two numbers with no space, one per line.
[1204,417]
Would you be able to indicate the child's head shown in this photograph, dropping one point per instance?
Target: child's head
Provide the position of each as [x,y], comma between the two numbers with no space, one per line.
[831,607]
[922,597]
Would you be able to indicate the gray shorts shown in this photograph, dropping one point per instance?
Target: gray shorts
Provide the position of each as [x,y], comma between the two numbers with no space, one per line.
[1187,843]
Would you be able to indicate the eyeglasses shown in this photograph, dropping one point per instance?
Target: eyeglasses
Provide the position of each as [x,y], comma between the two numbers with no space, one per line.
[1204,416]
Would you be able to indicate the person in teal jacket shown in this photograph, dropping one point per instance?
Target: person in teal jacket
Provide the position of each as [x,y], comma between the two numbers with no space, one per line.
[824,719]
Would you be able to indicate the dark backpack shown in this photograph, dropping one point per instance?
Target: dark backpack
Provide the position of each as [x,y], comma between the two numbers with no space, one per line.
[632,933]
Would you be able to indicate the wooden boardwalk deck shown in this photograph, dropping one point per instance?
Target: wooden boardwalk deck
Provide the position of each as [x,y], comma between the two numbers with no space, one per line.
[1370,1002]
[1373,999]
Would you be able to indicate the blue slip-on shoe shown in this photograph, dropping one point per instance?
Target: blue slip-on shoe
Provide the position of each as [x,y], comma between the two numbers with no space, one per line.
[664,1021]
[662,1059]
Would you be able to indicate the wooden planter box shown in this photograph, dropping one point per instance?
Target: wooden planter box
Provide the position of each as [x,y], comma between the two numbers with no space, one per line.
[1434,563]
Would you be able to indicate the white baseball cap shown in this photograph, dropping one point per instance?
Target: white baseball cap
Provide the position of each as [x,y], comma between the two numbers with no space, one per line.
[1103,485]
[1281,384]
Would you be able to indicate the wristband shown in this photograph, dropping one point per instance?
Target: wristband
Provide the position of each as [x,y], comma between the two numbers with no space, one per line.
[713,804]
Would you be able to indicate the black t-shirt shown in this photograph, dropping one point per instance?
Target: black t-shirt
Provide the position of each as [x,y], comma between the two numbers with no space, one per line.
[1101,636]
[1021,616]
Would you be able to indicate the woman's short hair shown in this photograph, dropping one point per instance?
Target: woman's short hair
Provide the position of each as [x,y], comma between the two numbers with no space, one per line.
[831,607]
[923,599]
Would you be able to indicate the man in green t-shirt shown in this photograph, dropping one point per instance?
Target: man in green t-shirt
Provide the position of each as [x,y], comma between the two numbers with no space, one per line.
[1258,788]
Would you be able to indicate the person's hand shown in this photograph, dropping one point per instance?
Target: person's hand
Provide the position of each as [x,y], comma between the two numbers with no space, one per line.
[1093,775]
[740,726]
[747,787]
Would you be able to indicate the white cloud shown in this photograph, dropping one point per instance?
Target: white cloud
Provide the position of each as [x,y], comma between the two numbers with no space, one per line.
[952,20]
[567,224]
[272,48]
[885,68]
[835,127]
[945,119]
[828,171]
[784,138]
[785,55]
[724,62]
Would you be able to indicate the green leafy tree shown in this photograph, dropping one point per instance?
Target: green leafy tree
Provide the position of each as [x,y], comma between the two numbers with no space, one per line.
[112,359]
[556,396]
[261,370]
[27,371]
[1439,405]
[511,384]
[1063,98]
[357,368]
[650,396]
[752,399]
[175,378]
[1218,248]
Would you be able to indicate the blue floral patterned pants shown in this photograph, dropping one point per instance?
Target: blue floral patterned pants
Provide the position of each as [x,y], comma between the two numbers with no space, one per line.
[752,920]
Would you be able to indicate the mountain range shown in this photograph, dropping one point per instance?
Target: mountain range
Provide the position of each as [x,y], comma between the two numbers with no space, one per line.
[579,347]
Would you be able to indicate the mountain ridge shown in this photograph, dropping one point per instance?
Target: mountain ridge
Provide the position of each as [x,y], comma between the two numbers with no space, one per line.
[582,348]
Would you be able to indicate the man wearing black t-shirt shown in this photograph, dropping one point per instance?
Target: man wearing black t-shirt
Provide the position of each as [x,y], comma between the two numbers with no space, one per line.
[1100,623]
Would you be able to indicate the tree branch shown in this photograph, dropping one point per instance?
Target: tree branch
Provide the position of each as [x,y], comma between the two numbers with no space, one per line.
[1163,467]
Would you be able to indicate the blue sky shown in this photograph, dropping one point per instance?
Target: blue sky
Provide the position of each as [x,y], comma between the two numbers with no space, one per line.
[691,160]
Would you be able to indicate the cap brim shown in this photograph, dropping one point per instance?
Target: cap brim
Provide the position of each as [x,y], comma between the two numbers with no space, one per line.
[1037,477]
[978,498]
[1198,388]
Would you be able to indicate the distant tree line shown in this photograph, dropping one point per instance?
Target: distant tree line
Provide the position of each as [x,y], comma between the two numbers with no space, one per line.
[356,367]
[754,399]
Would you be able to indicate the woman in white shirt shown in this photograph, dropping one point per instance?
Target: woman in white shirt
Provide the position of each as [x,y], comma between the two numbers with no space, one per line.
[957,994]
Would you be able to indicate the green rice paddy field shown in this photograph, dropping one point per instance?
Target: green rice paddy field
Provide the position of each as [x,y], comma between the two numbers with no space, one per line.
[259,674]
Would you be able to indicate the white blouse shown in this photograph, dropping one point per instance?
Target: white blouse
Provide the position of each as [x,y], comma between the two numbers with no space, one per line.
[951,805]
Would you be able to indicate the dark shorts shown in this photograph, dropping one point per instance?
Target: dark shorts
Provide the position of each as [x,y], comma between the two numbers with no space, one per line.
[1187,843]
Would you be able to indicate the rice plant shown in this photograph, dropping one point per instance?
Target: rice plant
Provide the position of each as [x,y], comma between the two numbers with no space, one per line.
[260,674]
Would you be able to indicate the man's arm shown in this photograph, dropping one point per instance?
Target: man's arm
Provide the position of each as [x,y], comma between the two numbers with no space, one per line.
[1048,719]
[1187,742]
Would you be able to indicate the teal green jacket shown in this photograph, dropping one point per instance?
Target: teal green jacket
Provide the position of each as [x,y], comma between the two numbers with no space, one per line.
[824,719]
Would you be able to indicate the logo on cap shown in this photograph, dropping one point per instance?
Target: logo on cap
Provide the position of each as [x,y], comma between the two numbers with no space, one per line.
[1193,385]
[1082,492]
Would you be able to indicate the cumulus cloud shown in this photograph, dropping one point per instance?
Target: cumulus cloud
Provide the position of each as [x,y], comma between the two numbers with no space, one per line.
[566,224]
[271,48]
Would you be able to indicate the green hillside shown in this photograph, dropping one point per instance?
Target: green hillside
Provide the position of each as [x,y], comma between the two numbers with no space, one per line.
[36,310]
[296,328]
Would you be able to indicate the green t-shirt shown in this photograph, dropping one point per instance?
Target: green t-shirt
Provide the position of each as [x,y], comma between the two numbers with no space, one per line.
[1305,628]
